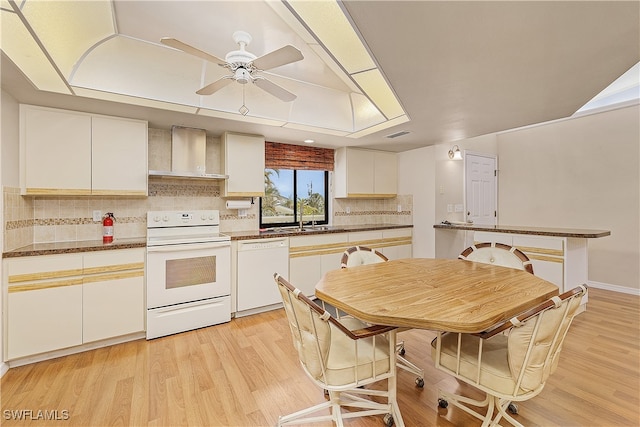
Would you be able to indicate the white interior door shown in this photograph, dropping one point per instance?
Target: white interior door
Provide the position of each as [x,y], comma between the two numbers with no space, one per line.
[480,186]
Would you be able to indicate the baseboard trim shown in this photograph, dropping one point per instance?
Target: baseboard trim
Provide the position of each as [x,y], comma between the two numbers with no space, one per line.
[614,288]
[26,360]
[3,369]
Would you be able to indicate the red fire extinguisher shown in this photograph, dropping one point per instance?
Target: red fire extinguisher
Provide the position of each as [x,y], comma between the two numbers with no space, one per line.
[107,227]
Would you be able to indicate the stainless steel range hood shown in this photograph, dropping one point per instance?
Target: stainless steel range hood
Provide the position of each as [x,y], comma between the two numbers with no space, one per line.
[188,155]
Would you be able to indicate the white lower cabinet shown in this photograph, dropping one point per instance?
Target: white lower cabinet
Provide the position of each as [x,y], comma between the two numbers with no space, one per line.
[53,302]
[310,257]
[112,294]
[398,243]
[44,319]
[43,304]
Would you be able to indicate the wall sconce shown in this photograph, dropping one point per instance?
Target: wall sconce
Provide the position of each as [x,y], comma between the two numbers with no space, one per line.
[454,153]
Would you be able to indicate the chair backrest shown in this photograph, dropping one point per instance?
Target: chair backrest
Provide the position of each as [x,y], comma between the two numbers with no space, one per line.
[497,254]
[309,328]
[359,255]
[360,354]
[535,341]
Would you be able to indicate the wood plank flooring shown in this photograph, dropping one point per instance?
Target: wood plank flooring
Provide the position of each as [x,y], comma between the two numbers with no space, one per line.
[245,373]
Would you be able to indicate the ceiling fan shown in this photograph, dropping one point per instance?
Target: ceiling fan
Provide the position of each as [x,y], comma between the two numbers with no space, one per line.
[244,66]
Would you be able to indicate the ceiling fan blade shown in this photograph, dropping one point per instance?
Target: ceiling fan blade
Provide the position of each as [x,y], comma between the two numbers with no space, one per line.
[215,86]
[282,56]
[274,89]
[177,44]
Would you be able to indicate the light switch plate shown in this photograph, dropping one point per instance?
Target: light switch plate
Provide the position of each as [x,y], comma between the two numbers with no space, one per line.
[97,215]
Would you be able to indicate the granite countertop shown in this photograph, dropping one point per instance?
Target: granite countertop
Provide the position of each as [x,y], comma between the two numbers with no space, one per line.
[74,247]
[141,242]
[535,231]
[289,232]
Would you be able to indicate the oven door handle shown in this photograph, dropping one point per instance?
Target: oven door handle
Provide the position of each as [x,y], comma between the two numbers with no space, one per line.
[188,247]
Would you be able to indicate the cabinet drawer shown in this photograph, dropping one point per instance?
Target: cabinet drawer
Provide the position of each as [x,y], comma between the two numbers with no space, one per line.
[540,245]
[43,267]
[365,238]
[483,236]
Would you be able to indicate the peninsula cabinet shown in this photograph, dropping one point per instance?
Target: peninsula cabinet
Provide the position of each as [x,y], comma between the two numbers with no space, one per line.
[73,153]
[242,159]
[559,260]
[56,302]
[361,173]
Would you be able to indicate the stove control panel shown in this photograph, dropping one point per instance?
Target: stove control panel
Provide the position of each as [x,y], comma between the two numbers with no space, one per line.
[157,219]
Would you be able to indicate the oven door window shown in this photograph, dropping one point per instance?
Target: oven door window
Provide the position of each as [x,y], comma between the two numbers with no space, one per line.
[190,272]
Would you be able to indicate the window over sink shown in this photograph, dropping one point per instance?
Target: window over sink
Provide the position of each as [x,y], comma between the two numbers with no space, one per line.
[290,192]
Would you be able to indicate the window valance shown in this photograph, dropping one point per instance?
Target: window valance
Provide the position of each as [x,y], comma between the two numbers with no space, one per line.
[289,156]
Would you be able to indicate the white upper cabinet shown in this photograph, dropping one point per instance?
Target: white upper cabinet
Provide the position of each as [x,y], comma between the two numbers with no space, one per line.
[361,173]
[118,156]
[72,153]
[55,151]
[243,161]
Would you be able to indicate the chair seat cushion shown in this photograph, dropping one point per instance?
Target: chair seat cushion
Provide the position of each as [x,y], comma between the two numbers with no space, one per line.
[494,372]
[340,366]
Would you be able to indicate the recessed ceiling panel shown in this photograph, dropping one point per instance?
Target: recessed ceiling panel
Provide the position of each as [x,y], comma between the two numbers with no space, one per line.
[20,46]
[132,67]
[68,29]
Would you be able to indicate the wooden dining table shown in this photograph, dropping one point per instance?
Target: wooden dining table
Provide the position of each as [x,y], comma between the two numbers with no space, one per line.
[436,294]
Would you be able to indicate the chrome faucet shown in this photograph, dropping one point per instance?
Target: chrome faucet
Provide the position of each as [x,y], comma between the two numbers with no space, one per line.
[301,206]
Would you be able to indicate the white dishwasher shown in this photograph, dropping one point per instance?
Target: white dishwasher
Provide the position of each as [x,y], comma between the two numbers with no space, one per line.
[257,261]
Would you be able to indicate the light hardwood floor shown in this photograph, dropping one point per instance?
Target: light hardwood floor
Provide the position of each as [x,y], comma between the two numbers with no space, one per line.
[245,373]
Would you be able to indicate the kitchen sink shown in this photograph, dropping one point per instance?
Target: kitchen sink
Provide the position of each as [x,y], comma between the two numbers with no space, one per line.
[293,230]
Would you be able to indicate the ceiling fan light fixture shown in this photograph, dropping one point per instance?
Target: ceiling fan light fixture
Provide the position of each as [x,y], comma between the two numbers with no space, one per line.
[242,76]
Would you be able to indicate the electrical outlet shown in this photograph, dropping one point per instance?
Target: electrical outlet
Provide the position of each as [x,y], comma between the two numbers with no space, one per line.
[348,210]
[97,216]
[399,208]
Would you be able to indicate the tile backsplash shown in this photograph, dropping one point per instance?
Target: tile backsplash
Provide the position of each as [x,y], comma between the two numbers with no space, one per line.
[46,219]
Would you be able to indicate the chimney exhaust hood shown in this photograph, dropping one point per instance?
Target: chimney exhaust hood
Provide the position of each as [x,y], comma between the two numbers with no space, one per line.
[188,155]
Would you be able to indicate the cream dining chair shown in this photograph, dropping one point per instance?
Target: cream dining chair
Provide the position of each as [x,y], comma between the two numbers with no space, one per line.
[497,254]
[360,255]
[510,362]
[341,356]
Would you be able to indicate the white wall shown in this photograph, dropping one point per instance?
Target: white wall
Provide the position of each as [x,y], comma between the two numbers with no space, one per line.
[575,173]
[416,175]
[9,135]
[579,173]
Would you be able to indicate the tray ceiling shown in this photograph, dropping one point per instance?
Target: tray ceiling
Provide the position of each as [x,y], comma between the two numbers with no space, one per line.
[442,71]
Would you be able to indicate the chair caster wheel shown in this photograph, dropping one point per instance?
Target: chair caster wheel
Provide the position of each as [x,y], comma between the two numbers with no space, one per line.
[443,403]
[420,382]
[388,420]
[513,408]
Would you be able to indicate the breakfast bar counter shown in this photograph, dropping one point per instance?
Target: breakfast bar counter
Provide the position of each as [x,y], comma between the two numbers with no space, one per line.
[533,231]
[558,255]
